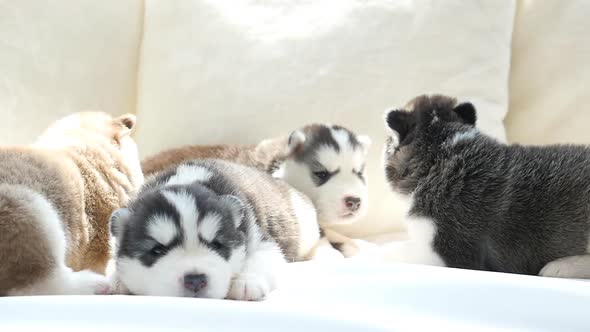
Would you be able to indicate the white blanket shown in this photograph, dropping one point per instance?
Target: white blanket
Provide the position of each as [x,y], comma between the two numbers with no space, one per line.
[342,296]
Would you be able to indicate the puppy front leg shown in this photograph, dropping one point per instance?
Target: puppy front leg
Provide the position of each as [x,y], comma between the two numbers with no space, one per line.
[577,267]
[347,246]
[417,249]
[324,250]
[260,273]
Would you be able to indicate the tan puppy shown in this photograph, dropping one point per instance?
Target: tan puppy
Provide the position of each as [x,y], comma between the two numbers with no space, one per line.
[56,198]
[266,155]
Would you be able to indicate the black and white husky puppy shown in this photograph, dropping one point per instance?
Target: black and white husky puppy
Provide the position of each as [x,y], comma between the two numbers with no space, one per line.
[327,163]
[213,229]
[480,204]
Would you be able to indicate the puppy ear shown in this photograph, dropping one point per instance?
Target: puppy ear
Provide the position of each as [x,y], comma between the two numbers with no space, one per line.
[117,219]
[399,122]
[124,124]
[466,112]
[365,141]
[237,207]
[295,141]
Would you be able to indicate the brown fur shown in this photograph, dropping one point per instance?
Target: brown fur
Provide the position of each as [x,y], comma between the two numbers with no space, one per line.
[265,155]
[78,167]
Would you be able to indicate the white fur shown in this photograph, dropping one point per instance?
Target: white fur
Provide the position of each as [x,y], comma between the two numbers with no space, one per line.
[260,273]
[166,276]
[328,199]
[307,222]
[249,274]
[296,139]
[418,248]
[162,229]
[323,250]
[186,174]
[209,226]
[365,141]
[341,137]
[186,206]
[568,267]
[62,280]
[263,263]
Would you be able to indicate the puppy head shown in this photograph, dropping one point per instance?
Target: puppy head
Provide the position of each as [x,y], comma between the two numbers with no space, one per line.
[417,131]
[98,130]
[92,125]
[181,240]
[327,163]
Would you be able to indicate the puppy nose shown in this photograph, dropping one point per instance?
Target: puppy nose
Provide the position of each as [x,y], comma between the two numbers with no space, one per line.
[195,282]
[352,203]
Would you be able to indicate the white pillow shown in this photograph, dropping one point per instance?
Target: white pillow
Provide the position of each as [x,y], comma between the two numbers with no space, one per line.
[59,57]
[237,71]
[549,93]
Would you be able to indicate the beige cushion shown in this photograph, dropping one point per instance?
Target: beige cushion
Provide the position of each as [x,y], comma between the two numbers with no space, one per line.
[549,91]
[58,57]
[239,71]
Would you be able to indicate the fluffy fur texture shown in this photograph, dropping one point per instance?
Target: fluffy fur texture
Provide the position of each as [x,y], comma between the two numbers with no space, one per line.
[211,228]
[56,198]
[265,156]
[327,163]
[334,153]
[480,204]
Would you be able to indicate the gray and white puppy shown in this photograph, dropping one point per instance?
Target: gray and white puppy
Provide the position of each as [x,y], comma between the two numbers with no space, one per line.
[327,163]
[213,229]
[480,204]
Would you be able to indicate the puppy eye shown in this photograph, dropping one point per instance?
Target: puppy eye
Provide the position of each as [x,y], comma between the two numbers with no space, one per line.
[216,245]
[158,250]
[322,175]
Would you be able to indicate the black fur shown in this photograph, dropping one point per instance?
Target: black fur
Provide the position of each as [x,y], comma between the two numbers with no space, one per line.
[136,241]
[497,207]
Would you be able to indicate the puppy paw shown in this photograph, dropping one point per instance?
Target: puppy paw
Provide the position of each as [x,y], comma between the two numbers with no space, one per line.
[348,248]
[90,283]
[249,287]
[357,248]
[568,267]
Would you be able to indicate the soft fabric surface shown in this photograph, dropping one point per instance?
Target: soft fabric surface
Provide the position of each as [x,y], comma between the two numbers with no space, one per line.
[549,94]
[237,71]
[60,57]
[343,296]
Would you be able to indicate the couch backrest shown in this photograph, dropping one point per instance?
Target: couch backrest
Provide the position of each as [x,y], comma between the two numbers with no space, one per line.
[59,57]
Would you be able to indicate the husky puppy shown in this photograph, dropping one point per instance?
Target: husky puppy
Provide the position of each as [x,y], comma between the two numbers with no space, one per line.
[480,204]
[327,163]
[213,229]
[56,197]
[324,162]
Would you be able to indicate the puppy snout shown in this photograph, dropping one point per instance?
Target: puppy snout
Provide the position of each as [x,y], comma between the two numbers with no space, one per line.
[195,282]
[352,203]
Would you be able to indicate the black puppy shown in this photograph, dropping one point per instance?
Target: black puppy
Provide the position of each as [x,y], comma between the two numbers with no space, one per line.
[480,204]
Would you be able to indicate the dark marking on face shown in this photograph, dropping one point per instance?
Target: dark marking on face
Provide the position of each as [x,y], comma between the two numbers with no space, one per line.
[136,240]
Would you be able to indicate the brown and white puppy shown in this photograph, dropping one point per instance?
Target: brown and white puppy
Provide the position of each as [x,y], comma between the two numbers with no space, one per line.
[56,198]
[265,156]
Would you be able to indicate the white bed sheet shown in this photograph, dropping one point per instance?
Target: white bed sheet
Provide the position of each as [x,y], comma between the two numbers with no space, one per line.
[342,296]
